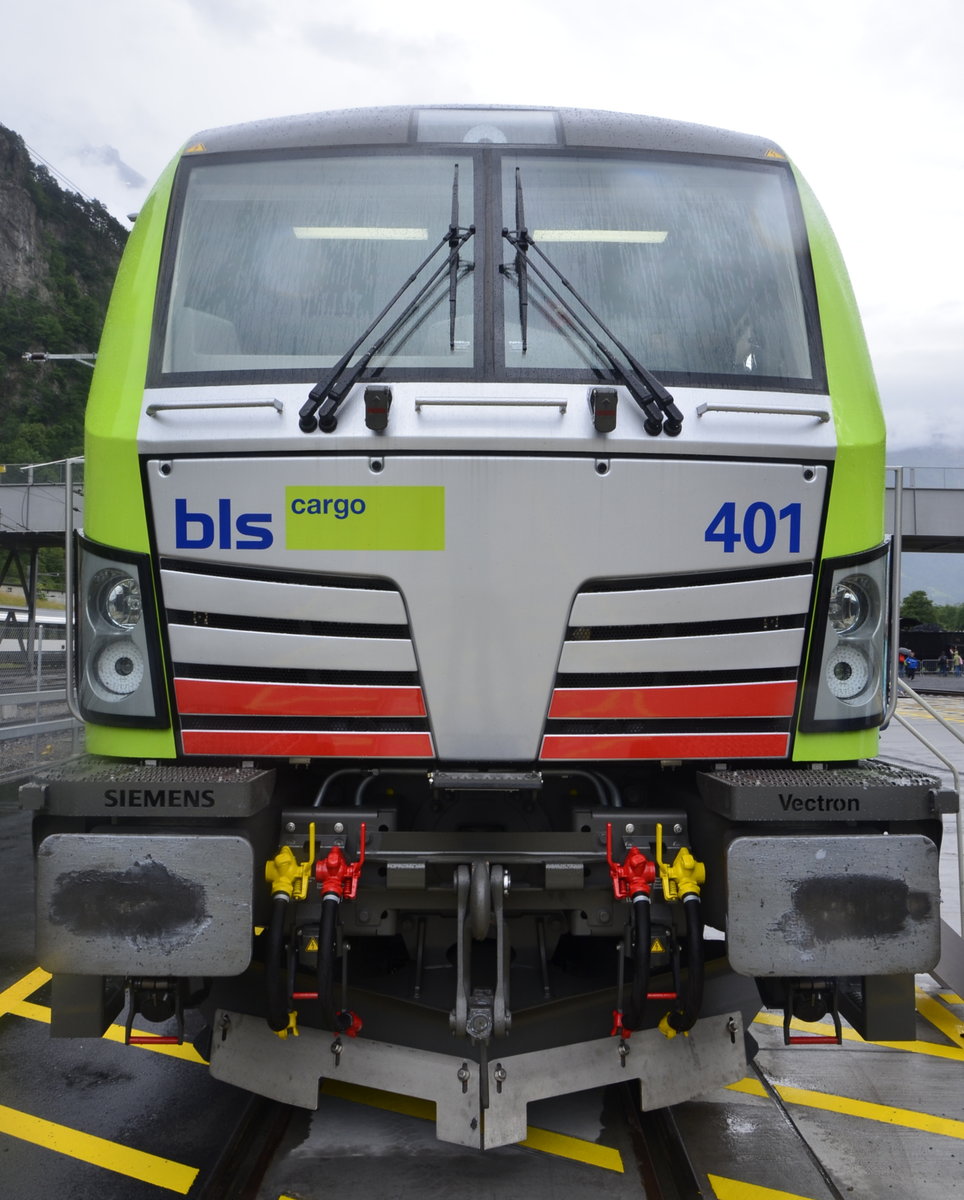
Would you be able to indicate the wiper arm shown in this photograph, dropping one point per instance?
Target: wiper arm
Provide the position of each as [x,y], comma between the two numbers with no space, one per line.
[453,264]
[655,402]
[325,398]
[521,261]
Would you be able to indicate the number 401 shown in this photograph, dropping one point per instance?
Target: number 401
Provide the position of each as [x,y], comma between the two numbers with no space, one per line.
[758,528]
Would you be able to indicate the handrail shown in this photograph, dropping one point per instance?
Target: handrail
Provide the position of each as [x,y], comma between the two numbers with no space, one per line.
[893,654]
[70,675]
[819,414]
[153,409]
[444,402]
[955,774]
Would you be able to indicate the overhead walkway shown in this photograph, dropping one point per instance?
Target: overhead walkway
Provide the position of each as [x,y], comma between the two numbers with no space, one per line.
[932,518]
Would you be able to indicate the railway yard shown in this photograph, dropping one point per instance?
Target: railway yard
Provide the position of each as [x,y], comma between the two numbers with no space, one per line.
[861,1120]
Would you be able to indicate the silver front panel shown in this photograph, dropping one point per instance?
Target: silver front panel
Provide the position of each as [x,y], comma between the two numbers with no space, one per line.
[493,588]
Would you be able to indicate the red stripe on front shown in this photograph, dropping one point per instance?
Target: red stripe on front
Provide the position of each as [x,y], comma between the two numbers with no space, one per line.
[224,698]
[698,701]
[716,746]
[247,743]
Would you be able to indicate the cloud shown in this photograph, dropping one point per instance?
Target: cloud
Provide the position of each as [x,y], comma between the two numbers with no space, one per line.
[866,96]
[109,156]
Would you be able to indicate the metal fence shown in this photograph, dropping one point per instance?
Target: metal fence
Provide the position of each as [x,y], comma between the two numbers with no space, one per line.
[36,725]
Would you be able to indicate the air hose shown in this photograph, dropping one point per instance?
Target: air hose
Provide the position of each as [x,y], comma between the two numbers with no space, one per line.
[275,974]
[336,1021]
[684,1016]
[633,1015]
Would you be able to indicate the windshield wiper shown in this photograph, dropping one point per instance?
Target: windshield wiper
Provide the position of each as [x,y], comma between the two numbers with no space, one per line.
[453,262]
[521,261]
[655,401]
[327,396]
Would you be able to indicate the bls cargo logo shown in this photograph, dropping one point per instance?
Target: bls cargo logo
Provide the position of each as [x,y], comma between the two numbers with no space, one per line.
[201,530]
[321,518]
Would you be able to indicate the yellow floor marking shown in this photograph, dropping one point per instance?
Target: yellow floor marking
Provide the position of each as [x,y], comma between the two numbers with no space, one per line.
[12,1003]
[563,1146]
[136,1164]
[929,1049]
[543,1140]
[408,1106]
[22,989]
[33,1012]
[735,1189]
[941,1018]
[885,1113]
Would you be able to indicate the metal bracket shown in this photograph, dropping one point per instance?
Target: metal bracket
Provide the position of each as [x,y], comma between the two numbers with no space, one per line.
[458,1018]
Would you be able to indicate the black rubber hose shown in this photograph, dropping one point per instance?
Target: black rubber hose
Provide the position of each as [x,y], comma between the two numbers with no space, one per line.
[276,976]
[685,1016]
[330,1018]
[633,1016]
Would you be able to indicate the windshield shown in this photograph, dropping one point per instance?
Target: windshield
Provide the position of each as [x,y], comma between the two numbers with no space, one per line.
[280,264]
[692,265]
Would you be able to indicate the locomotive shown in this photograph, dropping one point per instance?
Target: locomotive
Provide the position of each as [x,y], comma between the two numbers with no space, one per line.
[482,620]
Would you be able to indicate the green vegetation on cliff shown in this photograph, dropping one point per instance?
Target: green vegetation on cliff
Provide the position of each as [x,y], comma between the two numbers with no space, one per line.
[58,257]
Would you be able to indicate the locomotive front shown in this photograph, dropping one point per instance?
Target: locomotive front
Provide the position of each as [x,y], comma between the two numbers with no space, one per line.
[445,673]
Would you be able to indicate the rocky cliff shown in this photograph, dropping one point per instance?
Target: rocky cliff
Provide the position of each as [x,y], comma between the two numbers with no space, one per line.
[58,256]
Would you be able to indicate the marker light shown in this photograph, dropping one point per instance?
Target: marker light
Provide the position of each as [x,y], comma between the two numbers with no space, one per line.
[119,666]
[848,672]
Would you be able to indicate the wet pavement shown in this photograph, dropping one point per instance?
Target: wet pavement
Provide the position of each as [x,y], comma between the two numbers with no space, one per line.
[865,1120]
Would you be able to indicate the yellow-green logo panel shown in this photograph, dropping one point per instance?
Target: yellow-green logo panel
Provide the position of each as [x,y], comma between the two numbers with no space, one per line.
[365,518]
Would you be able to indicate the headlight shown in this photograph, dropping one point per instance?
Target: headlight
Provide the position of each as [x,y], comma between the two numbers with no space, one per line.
[119,598]
[848,606]
[119,673]
[846,670]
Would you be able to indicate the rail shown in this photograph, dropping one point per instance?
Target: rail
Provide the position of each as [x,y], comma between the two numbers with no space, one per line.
[35,728]
[35,723]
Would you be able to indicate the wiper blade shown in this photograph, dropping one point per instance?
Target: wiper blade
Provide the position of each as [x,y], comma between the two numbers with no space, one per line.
[656,402]
[326,397]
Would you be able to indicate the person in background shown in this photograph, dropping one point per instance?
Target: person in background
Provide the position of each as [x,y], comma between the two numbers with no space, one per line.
[911,665]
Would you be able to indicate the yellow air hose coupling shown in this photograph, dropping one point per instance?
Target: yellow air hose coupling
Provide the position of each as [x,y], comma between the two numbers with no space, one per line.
[680,878]
[289,878]
[683,876]
[287,875]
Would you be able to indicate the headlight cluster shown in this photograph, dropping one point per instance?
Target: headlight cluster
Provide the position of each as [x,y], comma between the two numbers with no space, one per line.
[119,675]
[845,677]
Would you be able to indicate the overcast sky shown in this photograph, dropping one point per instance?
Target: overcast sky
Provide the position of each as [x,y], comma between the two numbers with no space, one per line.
[867,96]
